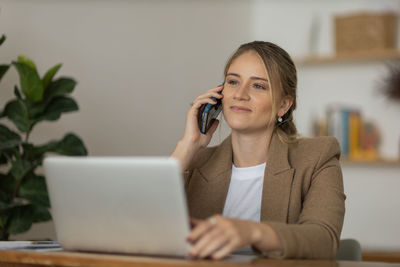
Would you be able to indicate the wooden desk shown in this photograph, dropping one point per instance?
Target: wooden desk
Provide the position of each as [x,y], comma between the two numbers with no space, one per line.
[36,259]
[381,256]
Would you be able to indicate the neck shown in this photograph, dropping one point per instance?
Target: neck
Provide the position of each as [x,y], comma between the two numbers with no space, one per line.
[250,149]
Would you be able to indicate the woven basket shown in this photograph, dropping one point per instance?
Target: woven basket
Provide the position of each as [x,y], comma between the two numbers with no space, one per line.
[365,32]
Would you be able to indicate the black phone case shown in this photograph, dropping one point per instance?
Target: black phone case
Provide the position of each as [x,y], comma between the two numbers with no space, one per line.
[206,119]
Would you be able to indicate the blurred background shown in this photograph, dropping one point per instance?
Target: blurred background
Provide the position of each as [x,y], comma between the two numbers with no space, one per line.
[139,64]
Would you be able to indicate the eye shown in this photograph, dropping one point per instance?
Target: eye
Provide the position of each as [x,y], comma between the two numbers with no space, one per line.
[232,82]
[259,86]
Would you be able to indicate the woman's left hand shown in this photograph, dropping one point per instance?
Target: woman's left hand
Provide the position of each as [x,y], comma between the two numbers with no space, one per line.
[218,236]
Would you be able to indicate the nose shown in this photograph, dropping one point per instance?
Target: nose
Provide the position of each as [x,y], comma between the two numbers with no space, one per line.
[242,92]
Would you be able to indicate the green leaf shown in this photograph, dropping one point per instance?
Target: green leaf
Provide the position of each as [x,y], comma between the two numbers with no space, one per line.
[60,87]
[33,188]
[8,138]
[56,107]
[2,39]
[3,158]
[3,220]
[20,167]
[40,214]
[36,153]
[48,77]
[9,206]
[17,93]
[36,109]
[7,186]
[31,85]
[32,152]
[4,197]
[7,154]
[17,112]
[21,219]
[27,61]
[3,69]
[70,145]
[57,88]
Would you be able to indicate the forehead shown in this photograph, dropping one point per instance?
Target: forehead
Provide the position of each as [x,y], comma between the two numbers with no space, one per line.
[248,64]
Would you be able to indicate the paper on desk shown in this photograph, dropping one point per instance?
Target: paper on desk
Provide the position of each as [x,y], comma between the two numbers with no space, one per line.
[30,245]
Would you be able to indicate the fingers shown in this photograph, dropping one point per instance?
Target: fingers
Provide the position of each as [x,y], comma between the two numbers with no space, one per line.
[192,131]
[214,127]
[203,242]
[209,94]
[198,103]
[208,97]
[194,222]
[199,231]
[211,239]
[218,236]
[224,251]
[210,243]
[216,89]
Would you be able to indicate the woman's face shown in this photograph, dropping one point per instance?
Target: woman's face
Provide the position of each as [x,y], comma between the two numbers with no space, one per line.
[247,103]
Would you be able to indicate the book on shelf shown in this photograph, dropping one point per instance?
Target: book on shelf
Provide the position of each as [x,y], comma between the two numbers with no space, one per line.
[358,138]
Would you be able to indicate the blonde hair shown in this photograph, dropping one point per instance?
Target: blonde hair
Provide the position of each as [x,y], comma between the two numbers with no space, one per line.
[282,77]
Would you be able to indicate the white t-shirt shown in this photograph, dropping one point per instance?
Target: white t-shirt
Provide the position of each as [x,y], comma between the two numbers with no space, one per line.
[244,195]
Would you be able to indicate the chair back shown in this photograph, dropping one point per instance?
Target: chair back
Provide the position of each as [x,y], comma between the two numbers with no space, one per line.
[349,250]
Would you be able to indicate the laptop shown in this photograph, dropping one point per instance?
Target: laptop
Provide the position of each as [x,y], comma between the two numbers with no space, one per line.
[133,205]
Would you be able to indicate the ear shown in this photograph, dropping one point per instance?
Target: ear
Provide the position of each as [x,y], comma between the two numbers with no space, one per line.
[286,103]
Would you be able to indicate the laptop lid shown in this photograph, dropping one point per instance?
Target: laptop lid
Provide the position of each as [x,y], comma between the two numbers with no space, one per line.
[118,204]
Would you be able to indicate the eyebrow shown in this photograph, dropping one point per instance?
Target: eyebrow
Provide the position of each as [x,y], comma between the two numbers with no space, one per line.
[252,77]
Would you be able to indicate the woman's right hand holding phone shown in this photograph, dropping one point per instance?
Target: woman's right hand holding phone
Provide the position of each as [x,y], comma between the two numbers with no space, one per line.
[193,139]
[192,134]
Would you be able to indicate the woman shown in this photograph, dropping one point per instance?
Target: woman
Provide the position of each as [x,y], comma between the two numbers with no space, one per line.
[262,186]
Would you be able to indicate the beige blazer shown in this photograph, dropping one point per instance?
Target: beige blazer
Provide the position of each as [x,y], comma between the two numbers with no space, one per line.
[302,198]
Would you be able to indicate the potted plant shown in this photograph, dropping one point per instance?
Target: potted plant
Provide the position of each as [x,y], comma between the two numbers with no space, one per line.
[390,86]
[23,193]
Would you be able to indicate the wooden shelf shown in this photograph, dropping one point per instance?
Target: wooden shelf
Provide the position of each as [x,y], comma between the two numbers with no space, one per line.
[376,163]
[372,55]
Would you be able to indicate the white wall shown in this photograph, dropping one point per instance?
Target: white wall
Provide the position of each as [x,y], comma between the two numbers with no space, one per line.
[140,63]
[372,206]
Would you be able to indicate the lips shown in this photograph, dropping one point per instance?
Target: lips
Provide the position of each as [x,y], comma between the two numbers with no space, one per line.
[240,109]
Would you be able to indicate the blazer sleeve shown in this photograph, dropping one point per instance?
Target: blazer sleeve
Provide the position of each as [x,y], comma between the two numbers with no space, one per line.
[317,232]
[200,158]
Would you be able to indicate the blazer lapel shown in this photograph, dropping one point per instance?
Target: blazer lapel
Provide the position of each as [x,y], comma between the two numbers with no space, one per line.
[217,176]
[278,179]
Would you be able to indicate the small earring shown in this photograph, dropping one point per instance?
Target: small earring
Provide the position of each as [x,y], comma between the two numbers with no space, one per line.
[280,119]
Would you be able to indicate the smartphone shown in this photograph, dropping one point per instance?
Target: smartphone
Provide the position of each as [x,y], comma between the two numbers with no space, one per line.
[208,113]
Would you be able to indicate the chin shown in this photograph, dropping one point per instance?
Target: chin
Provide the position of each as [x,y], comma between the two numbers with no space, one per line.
[238,124]
[242,125]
